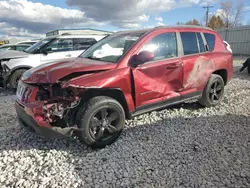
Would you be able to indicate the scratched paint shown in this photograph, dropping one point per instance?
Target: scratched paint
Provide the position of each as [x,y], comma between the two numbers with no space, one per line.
[200,72]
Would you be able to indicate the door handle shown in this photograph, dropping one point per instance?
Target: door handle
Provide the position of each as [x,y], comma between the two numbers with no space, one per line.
[173,66]
[68,55]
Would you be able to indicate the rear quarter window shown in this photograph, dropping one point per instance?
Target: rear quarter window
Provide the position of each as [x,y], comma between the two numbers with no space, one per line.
[210,38]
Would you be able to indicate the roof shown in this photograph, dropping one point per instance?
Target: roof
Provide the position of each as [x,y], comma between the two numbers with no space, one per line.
[68,29]
[96,37]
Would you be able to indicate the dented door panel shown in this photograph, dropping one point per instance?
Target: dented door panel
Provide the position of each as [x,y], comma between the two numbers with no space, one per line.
[196,71]
[198,68]
[157,81]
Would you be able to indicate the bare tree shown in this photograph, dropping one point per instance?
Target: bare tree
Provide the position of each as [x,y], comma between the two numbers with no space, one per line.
[232,14]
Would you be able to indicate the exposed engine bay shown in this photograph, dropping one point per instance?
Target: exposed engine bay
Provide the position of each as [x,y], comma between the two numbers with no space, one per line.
[59,104]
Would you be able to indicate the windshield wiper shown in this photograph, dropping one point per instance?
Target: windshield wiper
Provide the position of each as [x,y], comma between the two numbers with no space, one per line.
[93,58]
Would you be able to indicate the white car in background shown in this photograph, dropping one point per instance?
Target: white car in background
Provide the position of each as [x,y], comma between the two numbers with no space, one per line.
[14,63]
[18,47]
[30,42]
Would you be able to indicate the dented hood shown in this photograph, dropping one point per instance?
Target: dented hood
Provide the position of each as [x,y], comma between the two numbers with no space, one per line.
[54,71]
[11,54]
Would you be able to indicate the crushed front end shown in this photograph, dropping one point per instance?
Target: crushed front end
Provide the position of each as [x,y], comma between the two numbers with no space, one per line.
[47,109]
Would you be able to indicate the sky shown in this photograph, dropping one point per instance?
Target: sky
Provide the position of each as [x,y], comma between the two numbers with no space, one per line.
[33,18]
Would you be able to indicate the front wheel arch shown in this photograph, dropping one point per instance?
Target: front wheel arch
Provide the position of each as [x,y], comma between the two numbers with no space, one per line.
[114,93]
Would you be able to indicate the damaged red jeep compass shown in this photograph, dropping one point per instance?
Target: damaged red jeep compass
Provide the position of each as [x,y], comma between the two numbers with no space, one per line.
[124,75]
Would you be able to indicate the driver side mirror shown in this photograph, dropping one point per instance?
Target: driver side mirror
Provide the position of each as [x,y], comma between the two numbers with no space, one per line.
[46,51]
[142,57]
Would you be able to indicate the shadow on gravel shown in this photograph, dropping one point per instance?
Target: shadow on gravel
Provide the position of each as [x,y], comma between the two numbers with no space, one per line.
[158,151]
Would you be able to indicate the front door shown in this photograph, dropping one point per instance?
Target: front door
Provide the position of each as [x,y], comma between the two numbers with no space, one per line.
[159,80]
[61,48]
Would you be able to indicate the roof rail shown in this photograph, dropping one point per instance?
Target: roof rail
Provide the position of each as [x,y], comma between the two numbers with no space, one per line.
[187,26]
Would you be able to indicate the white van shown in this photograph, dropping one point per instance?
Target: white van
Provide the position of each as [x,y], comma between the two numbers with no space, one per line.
[14,63]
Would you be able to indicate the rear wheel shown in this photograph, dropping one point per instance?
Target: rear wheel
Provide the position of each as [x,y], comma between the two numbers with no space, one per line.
[101,121]
[214,91]
[15,77]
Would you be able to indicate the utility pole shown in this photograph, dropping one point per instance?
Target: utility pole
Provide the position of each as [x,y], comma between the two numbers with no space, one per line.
[207,13]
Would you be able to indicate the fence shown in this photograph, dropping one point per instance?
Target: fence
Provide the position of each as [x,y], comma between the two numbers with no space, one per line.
[238,38]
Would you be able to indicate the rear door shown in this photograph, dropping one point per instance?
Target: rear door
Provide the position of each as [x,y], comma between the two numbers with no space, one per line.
[161,79]
[194,64]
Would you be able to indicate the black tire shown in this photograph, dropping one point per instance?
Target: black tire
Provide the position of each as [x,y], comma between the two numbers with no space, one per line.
[94,121]
[15,77]
[213,92]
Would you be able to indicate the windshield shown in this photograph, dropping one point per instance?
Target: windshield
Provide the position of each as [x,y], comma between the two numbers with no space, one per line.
[111,48]
[38,45]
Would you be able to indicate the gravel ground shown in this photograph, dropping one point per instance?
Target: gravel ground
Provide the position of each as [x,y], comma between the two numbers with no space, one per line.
[185,146]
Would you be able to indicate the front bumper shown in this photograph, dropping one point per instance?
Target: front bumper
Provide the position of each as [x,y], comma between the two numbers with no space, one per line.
[31,125]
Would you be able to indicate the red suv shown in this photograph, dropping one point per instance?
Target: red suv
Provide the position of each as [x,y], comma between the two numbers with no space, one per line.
[124,75]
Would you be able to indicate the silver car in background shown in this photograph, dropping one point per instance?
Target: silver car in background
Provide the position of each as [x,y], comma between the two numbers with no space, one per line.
[15,63]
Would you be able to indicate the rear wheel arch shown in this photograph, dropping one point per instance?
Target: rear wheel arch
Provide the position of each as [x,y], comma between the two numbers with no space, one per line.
[114,93]
[223,73]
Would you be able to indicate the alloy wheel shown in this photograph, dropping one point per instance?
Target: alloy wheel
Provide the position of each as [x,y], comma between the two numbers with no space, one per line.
[103,124]
[216,91]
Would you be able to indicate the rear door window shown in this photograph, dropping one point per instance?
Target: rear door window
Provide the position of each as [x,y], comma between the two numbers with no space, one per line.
[210,38]
[189,41]
[83,43]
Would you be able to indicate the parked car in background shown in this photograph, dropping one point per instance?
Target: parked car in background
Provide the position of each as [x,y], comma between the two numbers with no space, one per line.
[14,64]
[28,42]
[18,47]
[122,76]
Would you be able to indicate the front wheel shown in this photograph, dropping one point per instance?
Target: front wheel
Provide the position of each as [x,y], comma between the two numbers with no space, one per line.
[101,121]
[15,77]
[214,91]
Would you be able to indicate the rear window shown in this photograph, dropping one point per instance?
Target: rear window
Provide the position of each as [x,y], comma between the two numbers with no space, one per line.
[210,38]
[189,41]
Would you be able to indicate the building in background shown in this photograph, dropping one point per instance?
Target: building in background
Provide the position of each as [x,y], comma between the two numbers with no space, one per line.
[80,31]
